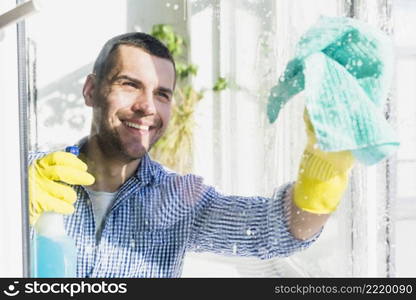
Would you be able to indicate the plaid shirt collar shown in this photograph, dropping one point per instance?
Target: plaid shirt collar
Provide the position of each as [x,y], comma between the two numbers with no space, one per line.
[146,171]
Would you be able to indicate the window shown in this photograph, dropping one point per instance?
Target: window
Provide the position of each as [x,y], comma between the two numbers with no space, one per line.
[249,42]
[405,88]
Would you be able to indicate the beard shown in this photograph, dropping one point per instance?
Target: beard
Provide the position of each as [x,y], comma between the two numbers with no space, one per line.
[113,145]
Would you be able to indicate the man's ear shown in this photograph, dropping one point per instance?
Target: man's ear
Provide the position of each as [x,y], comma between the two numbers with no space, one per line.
[88,90]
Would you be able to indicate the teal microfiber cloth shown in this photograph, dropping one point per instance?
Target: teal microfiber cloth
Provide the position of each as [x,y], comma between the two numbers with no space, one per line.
[345,68]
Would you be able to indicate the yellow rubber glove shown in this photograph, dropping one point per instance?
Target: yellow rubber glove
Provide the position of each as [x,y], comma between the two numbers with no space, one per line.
[47,188]
[323,176]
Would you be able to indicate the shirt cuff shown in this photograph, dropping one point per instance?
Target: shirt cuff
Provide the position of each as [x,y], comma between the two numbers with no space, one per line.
[280,240]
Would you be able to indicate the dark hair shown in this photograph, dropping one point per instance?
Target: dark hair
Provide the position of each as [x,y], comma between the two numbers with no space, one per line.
[138,39]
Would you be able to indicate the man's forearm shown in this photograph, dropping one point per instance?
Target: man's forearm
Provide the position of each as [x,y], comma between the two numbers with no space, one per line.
[302,224]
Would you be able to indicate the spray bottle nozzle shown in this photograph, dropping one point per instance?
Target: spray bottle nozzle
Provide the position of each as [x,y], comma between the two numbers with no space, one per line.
[72,149]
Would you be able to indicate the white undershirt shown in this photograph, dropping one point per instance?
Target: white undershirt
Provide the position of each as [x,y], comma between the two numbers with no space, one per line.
[101,203]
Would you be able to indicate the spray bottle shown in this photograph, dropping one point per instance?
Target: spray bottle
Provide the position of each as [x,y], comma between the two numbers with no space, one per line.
[54,253]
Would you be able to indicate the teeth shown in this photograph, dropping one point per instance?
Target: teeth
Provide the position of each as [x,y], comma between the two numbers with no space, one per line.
[134,125]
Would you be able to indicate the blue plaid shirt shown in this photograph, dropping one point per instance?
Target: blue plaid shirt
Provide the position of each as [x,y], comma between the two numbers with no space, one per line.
[158,215]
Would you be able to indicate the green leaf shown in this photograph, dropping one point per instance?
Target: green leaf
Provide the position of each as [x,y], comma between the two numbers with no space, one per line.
[220,85]
[183,71]
[167,35]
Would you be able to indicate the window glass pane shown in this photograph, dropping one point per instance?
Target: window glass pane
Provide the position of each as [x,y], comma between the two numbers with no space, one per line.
[405,248]
[406,174]
[249,42]
[406,106]
[405,100]
[404,23]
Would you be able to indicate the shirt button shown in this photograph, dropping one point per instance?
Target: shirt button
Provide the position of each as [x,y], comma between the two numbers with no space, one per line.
[132,243]
[89,249]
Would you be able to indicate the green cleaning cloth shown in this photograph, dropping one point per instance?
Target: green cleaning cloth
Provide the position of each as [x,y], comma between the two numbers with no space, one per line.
[345,68]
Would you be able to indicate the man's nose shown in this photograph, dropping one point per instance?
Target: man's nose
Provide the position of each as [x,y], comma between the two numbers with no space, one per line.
[145,104]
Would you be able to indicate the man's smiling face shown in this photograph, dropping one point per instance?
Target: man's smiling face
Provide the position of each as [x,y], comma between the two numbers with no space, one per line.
[132,103]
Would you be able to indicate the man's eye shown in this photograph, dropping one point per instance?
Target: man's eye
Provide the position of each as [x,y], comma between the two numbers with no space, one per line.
[129,83]
[164,95]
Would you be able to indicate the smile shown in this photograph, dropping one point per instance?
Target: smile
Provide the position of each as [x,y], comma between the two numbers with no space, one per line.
[136,126]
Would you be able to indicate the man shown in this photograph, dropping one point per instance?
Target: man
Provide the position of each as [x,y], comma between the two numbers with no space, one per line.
[137,219]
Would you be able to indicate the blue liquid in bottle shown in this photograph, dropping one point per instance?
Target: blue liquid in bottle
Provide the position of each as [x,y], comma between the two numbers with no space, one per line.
[54,256]
[54,253]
